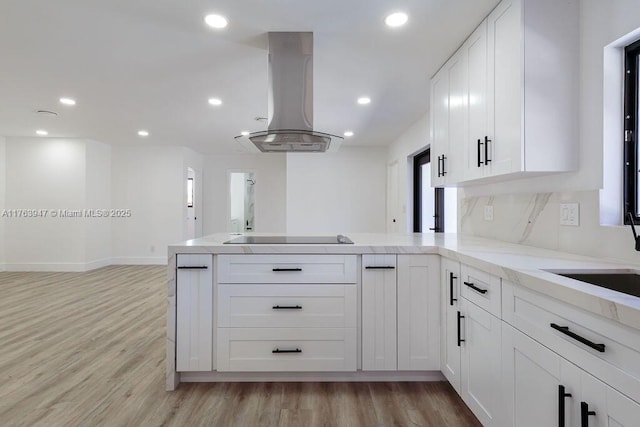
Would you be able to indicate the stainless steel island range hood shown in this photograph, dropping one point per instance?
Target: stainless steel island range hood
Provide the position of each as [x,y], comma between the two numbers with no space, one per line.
[290,108]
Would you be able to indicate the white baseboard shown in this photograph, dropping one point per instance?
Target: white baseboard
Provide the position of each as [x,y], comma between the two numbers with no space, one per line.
[358,376]
[139,261]
[78,267]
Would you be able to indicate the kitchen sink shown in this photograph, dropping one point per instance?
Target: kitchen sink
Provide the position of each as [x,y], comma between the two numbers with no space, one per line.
[625,281]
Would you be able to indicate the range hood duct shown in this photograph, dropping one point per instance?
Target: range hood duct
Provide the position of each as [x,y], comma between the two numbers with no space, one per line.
[290,107]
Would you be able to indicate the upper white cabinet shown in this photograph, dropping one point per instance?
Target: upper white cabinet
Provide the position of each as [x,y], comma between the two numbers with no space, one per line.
[439,126]
[517,113]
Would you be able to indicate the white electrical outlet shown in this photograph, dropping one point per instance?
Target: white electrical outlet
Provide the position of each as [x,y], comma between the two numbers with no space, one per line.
[488,213]
[570,214]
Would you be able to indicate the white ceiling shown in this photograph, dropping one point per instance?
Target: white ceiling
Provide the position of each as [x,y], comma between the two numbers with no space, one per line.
[153,64]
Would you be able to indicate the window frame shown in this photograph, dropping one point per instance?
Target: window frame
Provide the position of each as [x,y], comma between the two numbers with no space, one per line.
[420,159]
[630,132]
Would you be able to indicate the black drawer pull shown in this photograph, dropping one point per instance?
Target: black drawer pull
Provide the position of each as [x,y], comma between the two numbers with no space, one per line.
[287,307]
[584,414]
[451,279]
[192,267]
[475,288]
[561,396]
[286,269]
[278,351]
[379,267]
[565,330]
[460,317]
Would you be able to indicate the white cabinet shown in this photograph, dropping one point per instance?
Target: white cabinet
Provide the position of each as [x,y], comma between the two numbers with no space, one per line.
[287,313]
[194,313]
[450,307]
[513,111]
[379,317]
[475,140]
[542,388]
[439,126]
[400,312]
[418,312]
[471,341]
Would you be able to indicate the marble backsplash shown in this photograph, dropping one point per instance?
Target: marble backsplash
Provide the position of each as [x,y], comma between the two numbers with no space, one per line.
[533,219]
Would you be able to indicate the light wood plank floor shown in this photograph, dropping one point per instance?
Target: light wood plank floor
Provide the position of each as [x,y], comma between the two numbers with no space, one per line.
[87,349]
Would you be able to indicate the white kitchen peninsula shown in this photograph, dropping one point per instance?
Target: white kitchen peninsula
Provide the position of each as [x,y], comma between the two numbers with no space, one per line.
[400,307]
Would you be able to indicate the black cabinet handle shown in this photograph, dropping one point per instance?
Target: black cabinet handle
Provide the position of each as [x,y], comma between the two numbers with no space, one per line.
[584,414]
[286,269]
[451,298]
[278,351]
[479,151]
[486,150]
[565,330]
[561,396]
[379,267]
[287,307]
[192,267]
[444,172]
[460,317]
[475,288]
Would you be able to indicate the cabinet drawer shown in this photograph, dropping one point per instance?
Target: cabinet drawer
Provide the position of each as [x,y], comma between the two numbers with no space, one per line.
[480,288]
[287,269]
[280,349]
[287,306]
[603,348]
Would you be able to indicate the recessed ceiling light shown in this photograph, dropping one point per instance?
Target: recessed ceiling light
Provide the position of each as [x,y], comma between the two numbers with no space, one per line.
[67,101]
[244,133]
[348,133]
[143,133]
[42,132]
[397,19]
[364,100]
[216,21]
[215,101]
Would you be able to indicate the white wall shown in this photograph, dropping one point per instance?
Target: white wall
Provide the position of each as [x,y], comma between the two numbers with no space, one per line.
[3,175]
[45,174]
[534,203]
[270,188]
[150,182]
[98,196]
[414,140]
[341,192]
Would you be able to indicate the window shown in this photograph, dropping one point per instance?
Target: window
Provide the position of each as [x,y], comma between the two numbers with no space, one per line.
[428,203]
[631,151]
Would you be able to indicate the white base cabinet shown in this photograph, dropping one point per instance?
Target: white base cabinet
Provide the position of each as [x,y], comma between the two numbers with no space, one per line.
[418,312]
[379,314]
[400,312]
[194,313]
[541,388]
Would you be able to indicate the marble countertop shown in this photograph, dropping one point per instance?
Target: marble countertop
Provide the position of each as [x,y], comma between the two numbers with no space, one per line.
[522,265]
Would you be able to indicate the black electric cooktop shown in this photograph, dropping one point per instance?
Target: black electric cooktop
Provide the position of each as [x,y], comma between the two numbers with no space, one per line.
[290,240]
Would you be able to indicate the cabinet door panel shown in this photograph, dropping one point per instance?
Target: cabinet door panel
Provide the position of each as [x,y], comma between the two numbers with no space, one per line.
[457,69]
[194,313]
[439,124]
[418,312]
[505,91]
[379,342]
[476,48]
[449,350]
[480,368]
[612,409]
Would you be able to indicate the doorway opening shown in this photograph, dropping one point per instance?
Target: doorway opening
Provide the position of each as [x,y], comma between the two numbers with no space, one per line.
[242,196]
[434,209]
